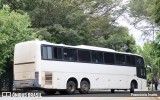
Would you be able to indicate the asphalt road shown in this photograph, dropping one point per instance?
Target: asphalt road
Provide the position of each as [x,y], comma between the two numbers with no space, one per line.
[91,94]
[97,95]
[101,98]
[103,95]
[108,94]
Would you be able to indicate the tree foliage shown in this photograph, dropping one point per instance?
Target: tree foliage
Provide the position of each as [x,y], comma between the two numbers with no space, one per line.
[13,29]
[141,10]
[156,14]
[79,22]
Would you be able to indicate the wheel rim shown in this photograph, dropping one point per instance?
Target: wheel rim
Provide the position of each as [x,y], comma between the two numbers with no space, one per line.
[85,87]
[71,88]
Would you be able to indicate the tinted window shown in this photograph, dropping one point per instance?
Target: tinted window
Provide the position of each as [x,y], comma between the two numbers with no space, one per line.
[49,50]
[144,72]
[97,57]
[57,52]
[120,59]
[139,61]
[109,58]
[70,54]
[141,72]
[130,60]
[84,56]
[46,52]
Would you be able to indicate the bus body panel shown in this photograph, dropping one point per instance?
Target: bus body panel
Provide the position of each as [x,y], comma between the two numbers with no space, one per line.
[24,71]
[102,76]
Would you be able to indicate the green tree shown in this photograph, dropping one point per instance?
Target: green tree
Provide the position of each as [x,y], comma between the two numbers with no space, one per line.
[118,39]
[13,29]
[76,22]
[156,14]
[157,53]
[141,10]
[79,22]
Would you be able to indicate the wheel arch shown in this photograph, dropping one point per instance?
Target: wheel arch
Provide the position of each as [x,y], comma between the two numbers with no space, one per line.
[74,80]
[86,79]
[135,83]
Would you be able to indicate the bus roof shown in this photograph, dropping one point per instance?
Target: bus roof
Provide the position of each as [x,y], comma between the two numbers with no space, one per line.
[79,47]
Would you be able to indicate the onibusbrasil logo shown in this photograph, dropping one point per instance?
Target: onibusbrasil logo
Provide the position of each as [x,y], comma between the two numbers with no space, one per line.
[13,94]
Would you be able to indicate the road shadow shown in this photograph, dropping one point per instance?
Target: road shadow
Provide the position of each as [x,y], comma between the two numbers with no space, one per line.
[107,94]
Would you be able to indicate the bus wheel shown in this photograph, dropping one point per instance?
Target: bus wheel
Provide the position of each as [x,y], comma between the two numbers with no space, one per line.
[132,88]
[112,90]
[71,87]
[84,87]
[49,91]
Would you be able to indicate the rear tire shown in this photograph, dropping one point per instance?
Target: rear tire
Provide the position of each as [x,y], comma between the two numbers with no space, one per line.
[49,91]
[132,88]
[84,87]
[71,87]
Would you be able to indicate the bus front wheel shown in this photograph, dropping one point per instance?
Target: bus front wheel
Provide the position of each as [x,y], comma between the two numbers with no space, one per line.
[84,87]
[132,88]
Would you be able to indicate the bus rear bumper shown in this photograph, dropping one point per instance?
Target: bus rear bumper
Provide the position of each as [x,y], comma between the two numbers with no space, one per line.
[19,84]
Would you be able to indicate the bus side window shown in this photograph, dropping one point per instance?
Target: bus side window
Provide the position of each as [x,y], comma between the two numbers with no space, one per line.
[97,57]
[130,60]
[70,54]
[109,58]
[57,52]
[120,59]
[84,56]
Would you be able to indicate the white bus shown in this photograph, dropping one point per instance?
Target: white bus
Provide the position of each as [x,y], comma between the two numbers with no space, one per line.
[57,67]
